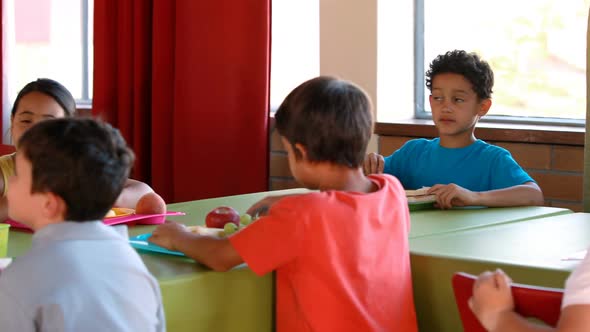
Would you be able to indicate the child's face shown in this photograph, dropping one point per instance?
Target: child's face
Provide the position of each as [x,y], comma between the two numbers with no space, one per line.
[32,108]
[23,206]
[455,106]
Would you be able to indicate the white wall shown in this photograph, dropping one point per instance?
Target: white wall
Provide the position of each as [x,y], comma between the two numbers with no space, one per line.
[371,42]
[348,44]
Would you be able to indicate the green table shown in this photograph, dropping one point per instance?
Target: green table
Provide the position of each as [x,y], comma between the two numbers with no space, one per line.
[429,222]
[195,297]
[530,251]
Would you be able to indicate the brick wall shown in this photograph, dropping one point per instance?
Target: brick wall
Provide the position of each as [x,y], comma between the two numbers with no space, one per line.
[558,169]
[280,175]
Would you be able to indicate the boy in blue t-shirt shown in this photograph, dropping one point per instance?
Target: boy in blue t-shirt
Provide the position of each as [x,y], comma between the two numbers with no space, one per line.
[459,169]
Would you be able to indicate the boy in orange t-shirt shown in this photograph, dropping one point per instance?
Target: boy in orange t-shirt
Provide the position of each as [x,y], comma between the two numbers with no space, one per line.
[341,254]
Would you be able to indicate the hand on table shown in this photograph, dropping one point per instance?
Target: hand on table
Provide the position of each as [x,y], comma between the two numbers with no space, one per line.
[491,298]
[165,235]
[261,207]
[450,195]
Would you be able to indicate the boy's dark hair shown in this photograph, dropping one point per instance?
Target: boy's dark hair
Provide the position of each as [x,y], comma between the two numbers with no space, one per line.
[84,161]
[51,88]
[331,118]
[477,71]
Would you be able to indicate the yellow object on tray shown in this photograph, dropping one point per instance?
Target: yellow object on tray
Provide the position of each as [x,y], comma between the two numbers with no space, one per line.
[3,239]
[202,230]
[119,212]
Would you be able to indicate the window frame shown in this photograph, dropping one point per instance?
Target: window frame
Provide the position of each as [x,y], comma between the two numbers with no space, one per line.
[87,11]
[420,90]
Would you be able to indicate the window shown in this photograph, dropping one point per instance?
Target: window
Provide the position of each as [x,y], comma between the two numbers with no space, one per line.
[295,46]
[49,38]
[395,60]
[537,49]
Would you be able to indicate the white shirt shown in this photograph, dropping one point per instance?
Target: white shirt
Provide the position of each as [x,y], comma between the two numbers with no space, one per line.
[79,276]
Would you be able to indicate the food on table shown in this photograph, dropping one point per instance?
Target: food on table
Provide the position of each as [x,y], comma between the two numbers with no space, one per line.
[420,195]
[222,215]
[202,230]
[245,219]
[226,220]
[230,228]
[110,214]
[150,203]
[119,212]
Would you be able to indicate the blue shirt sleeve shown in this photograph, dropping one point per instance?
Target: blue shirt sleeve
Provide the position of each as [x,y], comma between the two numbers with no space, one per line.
[401,163]
[396,162]
[388,165]
[509,173]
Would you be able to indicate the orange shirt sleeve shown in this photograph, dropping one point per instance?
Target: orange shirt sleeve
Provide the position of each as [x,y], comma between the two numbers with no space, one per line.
[273,240]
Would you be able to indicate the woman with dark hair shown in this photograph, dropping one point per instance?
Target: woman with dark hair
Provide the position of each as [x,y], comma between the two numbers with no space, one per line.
[44,99]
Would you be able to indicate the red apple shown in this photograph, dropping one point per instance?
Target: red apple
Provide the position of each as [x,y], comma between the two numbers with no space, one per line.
[221,216]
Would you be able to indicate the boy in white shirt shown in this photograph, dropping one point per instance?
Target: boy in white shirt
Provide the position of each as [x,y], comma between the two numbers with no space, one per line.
[80,275]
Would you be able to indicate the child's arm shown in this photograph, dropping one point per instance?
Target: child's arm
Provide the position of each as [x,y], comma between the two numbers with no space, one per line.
[493,305]
[216,253]
[451,195]
[132,192]
[573,319]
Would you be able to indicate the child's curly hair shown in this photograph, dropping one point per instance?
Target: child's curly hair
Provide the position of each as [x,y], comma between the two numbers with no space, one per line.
[469,65]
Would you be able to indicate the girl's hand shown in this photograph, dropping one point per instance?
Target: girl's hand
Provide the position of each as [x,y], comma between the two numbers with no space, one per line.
[165,235]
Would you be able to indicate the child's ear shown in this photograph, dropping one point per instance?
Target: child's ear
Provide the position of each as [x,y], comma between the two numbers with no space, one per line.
[301,150]
[484,106]
[54,206]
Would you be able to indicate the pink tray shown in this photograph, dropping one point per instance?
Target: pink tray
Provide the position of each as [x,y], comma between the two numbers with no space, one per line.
[133,219]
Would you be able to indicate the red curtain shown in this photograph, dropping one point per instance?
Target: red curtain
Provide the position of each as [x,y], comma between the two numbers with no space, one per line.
[187,84]
[5,126]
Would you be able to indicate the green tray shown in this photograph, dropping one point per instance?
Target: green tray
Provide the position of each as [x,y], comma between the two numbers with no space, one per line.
[421,206]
